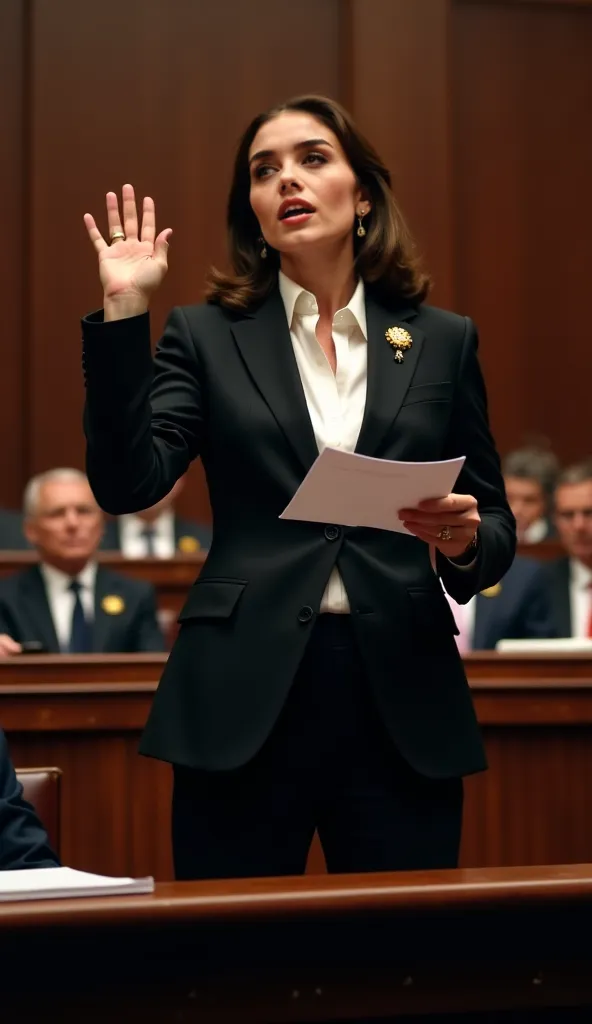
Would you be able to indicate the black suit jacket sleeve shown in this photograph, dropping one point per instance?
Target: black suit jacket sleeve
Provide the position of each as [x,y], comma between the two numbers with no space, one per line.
[23,840]
[142,420]
[482,478]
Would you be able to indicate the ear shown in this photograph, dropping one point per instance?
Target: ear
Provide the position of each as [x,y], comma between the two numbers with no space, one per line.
[30,531]
[362,201]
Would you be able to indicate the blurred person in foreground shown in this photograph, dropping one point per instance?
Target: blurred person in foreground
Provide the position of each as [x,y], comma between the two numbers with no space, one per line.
[23,840]
[68,603]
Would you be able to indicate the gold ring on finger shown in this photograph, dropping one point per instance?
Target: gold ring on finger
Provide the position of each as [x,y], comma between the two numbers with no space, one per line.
[116,235]
[445,533]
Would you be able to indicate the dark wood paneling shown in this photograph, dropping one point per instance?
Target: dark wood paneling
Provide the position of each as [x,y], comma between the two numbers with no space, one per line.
[13,218]
[400,96]
[156,94]
[86,714]
[522,209]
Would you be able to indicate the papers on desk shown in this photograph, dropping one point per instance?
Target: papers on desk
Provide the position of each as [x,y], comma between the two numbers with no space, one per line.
[64,883]
[561,645]
[357,490]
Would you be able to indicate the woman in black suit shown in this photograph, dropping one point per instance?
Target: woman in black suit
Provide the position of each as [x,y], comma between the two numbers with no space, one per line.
[315,681]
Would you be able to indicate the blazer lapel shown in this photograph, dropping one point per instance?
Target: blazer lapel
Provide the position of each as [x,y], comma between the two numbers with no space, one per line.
[266,348]
[38,611]
[388,380]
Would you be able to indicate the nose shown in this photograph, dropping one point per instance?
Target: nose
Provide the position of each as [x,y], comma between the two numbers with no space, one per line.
[288,181]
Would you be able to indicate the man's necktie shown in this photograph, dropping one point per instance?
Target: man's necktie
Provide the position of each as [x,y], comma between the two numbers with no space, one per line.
[81,631]
[148,535]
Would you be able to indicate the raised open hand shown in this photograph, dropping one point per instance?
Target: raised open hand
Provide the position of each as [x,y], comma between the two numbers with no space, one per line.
[133,263]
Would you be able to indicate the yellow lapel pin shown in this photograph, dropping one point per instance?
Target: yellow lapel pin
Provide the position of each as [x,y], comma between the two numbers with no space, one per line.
[113,604]
[400,339]
[188,545]
[493,591]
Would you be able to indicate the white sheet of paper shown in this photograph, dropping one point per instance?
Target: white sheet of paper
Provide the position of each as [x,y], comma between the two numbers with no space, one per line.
[357,490]
[63,883]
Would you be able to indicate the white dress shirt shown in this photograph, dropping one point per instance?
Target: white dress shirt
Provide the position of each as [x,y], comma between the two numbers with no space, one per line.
[134,543]
[536,532]
[335,401]
[580,597]
[61,599]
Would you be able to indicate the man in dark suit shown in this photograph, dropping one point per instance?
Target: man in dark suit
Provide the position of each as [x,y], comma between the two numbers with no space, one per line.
[23,840]
[12,537]
[156,532]
[568,581]
[517,608]
[67,603]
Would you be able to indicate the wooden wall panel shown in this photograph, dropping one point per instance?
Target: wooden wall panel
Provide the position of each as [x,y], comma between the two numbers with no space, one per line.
[401,99]
[522,96]
[13,413]
[156,94]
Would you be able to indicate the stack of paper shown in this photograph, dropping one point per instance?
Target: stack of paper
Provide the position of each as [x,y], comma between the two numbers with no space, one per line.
[357,490]
[63,883]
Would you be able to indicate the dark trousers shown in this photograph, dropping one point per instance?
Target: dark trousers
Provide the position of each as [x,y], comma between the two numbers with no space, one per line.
[328,764]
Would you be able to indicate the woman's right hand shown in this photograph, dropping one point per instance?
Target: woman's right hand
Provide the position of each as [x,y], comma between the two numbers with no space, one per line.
[133,267]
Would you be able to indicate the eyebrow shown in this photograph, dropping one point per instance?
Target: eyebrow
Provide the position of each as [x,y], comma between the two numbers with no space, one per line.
[299,145]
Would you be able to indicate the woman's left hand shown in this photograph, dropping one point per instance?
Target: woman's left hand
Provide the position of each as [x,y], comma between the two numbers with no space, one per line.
[450,523]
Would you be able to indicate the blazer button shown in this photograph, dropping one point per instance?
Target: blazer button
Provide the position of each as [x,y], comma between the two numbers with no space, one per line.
[305,614]
[332,532]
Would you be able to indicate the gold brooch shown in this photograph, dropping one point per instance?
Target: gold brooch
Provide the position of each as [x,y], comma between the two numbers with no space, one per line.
[400,339]
[113,604]
[188,545]
[492,591]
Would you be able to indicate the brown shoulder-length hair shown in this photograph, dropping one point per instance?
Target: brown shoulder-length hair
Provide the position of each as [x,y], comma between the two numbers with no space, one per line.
[384,257]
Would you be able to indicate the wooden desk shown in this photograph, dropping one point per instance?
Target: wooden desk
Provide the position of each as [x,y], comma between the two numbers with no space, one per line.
[305,949]
[85,714]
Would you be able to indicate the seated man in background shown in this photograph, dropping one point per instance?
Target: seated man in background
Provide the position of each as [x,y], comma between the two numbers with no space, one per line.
[517,608]
[568,581]
[12,537]
[529,476]
[157,532]
[23,840]
[67,603]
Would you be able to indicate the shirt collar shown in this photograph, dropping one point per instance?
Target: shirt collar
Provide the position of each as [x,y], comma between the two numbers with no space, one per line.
[60,581]
[161,525]
[581,576]
[298,302]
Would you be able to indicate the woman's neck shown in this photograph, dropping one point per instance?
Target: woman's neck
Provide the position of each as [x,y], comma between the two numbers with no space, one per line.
[331,281]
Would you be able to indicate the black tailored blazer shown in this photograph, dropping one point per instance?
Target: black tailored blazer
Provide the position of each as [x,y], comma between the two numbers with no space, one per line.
[126,626]
[226,386]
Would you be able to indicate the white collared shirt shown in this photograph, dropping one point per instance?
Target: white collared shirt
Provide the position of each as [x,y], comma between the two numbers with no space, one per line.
[536,532]
[133,542]
[61,599]
[335,401]
[580,597]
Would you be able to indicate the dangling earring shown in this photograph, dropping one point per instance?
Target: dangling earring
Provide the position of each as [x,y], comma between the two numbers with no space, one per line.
[361,229]
[263,252]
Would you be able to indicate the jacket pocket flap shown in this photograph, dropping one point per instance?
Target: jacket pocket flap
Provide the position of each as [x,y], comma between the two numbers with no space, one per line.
[212,599]
[431,610]
[436,392]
